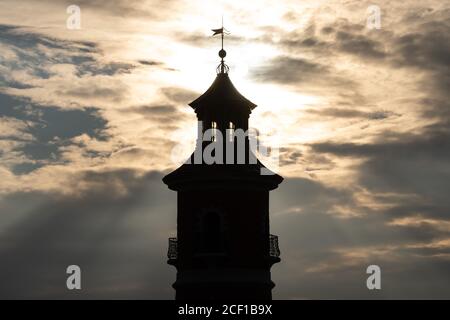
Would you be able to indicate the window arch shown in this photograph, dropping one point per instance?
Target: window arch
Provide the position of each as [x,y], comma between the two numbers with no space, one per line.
[213,131]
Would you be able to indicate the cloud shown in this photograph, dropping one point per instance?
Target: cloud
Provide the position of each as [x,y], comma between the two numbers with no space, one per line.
[159,113]
[96,89]
[326,256]
[359,45]
[42,131]
[290,70]
[88,120]
[351,113]
[119,8]
[115,221]
[150,62]
[413,164]
[428,50]
[179,95]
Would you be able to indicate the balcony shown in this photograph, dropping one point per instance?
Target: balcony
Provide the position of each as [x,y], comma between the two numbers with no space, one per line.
[274,250]
[172,253]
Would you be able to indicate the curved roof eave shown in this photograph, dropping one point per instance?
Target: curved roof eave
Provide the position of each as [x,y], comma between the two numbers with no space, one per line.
[221,91]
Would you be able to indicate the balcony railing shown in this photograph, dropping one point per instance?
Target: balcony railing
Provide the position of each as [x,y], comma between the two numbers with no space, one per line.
[172,253]
[274,250]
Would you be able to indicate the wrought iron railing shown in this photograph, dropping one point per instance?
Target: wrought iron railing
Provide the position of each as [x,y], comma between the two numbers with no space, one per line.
[172,253]
[274,250]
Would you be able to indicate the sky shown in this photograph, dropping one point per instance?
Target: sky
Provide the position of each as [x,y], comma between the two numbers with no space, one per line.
[91,119]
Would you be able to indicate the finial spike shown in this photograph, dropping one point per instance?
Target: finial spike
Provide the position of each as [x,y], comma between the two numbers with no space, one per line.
[222,68]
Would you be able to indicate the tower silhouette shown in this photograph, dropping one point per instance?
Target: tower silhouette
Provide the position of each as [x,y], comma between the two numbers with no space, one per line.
[224,248]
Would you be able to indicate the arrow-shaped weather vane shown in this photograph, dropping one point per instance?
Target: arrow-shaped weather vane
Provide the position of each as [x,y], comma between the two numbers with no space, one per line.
[223,68]
[222,31]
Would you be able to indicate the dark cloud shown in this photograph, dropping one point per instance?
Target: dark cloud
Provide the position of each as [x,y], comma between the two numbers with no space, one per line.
[152,110]
[118,221]
[406,173]
[359,45]
[313,243]
[351,113]
[150,62]
[427,48]
[135,152]
[106,92]
[289,156]
[415,164]
[430,143]
[32,57]
[19,37]
[50,127]
[288,70]
[95,68]
[158,64]
[428,51]
[161,113]
[305,75]
[340,37]
[179,95]
[114,225]
[36,52]
[312,162]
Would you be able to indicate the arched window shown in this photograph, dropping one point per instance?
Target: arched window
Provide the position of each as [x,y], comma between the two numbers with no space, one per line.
[231,128]
[213,131]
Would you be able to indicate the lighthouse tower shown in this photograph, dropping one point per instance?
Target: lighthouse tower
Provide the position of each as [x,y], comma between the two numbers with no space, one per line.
[223,249]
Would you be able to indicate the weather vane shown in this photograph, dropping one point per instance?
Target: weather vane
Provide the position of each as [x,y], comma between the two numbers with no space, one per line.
[222,67]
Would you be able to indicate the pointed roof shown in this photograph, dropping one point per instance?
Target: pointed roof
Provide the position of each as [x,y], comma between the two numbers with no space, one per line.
[221,92]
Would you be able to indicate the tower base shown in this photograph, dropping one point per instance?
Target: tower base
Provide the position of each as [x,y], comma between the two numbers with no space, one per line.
[224,284]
